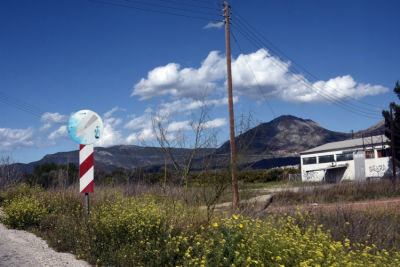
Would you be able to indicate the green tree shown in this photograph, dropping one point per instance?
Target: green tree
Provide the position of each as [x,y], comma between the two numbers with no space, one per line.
[396,122]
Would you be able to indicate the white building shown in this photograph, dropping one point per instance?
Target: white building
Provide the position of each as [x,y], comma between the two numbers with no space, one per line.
[356,159]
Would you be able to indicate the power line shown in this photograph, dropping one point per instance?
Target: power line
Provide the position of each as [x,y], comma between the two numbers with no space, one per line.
[326,93]
[305,83]
[151,10]
[23,106]
[190,5]
[298,72]
[208,2]
[236,14]
[182,9]
[253,73]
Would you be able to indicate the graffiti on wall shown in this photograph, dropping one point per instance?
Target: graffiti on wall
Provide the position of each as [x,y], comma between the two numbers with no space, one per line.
[377,168]
[310,176]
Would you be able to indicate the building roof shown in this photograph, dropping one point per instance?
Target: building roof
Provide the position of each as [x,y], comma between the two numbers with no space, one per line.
[348,144]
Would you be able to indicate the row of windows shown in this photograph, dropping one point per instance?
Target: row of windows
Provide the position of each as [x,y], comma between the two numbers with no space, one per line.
[369,154]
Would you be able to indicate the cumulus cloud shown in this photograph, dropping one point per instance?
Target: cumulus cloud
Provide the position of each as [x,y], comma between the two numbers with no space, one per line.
[176,82]
[59,133]
[51,118]
[111,136]
[12,139]
[45,127]
[217,25]
[272,74]
[110,112]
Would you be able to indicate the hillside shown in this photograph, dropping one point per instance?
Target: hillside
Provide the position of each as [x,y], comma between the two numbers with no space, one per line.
[272,144]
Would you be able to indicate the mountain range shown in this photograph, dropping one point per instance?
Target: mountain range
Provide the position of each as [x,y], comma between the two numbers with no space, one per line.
[271,144]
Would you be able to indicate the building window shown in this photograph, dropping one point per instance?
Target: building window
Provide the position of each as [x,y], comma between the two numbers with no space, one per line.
[324,159]
[344,157]
[310,160]
[369,154]
[383,153]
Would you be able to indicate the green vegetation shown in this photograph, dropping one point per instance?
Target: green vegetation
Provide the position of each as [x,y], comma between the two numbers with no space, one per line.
[396,122]
[151,229]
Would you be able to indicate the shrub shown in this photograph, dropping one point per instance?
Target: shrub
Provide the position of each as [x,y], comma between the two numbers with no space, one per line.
[23,212]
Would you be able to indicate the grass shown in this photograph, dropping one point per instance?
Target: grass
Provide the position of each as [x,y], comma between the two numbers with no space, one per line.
[141,225]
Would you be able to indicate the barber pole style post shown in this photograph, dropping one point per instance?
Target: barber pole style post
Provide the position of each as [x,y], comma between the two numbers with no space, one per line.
[86,173]
[85,127]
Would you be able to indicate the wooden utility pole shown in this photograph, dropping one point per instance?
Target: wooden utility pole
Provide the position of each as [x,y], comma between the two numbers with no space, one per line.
[393,150]
[230,102]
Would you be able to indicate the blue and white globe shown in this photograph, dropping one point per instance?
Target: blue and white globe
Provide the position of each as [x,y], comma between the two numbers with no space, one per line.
[85,127]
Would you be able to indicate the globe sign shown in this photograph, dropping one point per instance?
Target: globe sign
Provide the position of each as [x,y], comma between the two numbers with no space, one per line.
[85,127]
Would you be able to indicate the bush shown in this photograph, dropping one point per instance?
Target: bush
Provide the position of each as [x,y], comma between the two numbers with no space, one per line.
[22,212]
[19,191]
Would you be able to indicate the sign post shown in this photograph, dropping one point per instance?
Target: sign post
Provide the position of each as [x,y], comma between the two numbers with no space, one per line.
[85,127]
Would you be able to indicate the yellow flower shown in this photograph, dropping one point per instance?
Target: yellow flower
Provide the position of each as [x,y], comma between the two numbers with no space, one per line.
[240,225]
[234,216]
[215,224]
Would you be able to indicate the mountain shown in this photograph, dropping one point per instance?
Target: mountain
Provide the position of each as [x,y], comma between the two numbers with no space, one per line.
[274,143]
[127,156]
[376,129]
[285,136]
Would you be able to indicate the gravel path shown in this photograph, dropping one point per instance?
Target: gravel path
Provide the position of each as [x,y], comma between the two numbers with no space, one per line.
[23,249]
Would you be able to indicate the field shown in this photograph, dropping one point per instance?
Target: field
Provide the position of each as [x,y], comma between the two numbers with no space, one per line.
[352,224]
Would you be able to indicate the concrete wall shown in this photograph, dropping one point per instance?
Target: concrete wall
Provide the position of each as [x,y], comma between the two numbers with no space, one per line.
[374,167]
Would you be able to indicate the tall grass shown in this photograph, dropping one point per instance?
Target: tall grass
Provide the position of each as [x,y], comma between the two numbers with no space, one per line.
[144,226]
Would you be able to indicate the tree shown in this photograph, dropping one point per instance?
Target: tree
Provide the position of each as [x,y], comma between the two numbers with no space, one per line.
[396,122]
[9,172]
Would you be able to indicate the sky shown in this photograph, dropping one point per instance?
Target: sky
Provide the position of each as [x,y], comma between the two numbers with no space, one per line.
[334,62]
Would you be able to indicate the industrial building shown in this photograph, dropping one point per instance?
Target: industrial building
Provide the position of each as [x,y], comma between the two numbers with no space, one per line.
[357,159]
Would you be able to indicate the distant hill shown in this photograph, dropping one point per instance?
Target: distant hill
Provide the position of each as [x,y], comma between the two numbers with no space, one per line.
[126,156]
[376,129]
[285,136]
[273,144]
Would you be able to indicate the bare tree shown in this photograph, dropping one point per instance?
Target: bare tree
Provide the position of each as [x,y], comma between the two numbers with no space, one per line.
[10,173]
[177,148]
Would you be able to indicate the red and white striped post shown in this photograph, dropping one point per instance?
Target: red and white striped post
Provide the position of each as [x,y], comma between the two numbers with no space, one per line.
[85,127]
[86,173]
[86,169]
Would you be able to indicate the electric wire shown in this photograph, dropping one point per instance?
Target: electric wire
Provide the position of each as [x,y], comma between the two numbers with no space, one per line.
[151,10]
[306,83]
[304,79]
[237,14]
[190,5]
[253,74]
[299,73]
[23,106]
[209,2]
[182,9]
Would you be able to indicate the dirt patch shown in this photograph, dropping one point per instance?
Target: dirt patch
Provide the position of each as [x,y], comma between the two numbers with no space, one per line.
[366,205]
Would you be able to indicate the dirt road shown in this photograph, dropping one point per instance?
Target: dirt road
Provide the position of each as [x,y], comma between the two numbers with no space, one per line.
[23,249]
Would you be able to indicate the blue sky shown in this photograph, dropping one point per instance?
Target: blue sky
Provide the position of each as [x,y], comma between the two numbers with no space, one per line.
[64,56]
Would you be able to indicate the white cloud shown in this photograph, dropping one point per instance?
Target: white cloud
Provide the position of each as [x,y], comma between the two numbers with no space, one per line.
[214,25]
[45,127]
[12,139]
[272,75]
[59,133]
[179,126]
[110,112]
[51,118]
[111,136]
[171,80]
[216,123]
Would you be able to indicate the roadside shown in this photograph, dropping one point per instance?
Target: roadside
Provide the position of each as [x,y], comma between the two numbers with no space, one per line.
[23,249]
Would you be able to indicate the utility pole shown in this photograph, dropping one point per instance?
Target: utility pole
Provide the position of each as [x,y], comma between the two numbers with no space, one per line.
[230,102]
[393,150]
